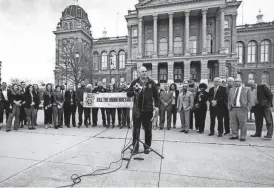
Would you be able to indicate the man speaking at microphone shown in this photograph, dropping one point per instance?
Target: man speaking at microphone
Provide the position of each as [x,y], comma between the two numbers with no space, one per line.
[146,101]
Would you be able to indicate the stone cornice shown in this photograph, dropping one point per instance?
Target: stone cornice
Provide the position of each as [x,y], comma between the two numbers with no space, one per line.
[73,31]
[255,27]
[110,40]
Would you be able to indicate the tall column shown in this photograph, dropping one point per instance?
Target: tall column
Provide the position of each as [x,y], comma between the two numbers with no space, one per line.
[155,71]
[204,72]
[222,30]
[234,33]
[170,71]
[204,12]
[155,41]
[186,70]
[187,13]
[170,52]
[129,41]
[222,67]
[140,27]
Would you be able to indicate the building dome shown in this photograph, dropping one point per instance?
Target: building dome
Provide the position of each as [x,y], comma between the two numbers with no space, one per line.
[75,11]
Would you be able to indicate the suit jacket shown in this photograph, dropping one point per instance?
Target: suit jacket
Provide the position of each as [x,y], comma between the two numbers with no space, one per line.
[264,96]
[185,102]
[166,98]
[201,99]
[70,99]
[245,98]
[28,100]
[48,99]
[220,97]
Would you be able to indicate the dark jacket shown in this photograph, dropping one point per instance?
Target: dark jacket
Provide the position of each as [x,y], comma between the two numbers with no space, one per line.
[201,99]
[28,100]
[220,97]
[2,99]
[80,94]
[38,97]
[70,99]
[146,98]
[48,99]
[58,98]
[264,96]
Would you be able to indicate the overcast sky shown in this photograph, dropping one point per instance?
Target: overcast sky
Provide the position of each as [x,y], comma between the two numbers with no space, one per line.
[27,44]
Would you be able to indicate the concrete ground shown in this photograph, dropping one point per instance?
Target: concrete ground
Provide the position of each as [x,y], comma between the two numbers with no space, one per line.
[48,158]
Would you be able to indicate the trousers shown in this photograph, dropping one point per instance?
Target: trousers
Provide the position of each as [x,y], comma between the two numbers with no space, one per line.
[260,114]
[238,119]
[185,119]
[14,113]
[31,115]
[57,115]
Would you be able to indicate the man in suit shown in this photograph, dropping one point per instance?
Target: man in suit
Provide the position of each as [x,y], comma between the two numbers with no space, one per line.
[5,103]
[79,98]
[184,105]
[239,101]
[166,98]
[230,84]
[102,88]
[194,89]
[23,119]
[70,105]
[262,103]
[217,98]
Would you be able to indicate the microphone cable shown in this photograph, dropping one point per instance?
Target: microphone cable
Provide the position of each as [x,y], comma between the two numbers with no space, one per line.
[76,179]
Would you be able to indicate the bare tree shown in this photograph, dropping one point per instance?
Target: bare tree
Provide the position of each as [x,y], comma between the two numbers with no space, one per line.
[74,57]
[18,81]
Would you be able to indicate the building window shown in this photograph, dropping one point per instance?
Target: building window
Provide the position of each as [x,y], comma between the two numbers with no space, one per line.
[112,80]
[240,51]
[163,74]
[104,61]
[134,74]
[265,78]
[112,60]
[209,77]
[122,79]
[227,47]
[134,32]
[209,43]
[251,76]
[194,73]
[193,44]
[265,51]
[226,24]
[252,48]
[178,45]
[96,59]
[163,47]
[122,59]
[178,74]
[227,72]
[134,52]
[149,48]
[104,80]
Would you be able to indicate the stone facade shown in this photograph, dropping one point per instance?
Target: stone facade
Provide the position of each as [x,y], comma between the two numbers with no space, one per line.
[181,40]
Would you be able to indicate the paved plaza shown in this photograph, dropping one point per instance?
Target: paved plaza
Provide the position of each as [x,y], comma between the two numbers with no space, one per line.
[48,158]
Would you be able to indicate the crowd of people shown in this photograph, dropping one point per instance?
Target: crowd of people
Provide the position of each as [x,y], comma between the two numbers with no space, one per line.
[228,101]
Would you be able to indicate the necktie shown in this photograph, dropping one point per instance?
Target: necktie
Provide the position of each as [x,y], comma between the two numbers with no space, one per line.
[236,96]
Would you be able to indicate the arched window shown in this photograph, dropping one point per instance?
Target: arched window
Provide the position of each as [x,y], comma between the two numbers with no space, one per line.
[239,75]
[134,74]
[227,47]
[96,59]
[240,51]
[194,73]
[252,48]
[122,59]
[226,24]
[149,48]
[112,60]
[134,32]
[163,46]
[265,78]
[193,44]
[178,74]
[265,51]
[104,80]
[122,79]
[104,60]
[251,76]
[209,43]
[134,52]
[112,80]
[178,45]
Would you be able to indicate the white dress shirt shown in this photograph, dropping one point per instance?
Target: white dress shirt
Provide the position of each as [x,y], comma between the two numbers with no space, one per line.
[238,104]
[5,93]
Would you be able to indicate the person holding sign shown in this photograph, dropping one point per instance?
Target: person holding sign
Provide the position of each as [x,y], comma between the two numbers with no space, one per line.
[146,100]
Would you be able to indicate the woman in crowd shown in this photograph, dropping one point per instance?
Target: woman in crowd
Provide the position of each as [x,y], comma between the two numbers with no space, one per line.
[87,118]
[37,94]
[57,107]
[200,107]
[173,88]
[30,101]
[15,98]
[111,111]
[48,101]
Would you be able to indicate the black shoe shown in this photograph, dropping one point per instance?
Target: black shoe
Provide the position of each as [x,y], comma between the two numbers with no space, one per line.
[79,126]
[121,127]
[55,127]
[104,124]
[30,128]
[161,128]
[94,125]
[268,137]
[182,131]
[33,128]
[107,126]
[168,128]
[8,130]
[220,135]
[60,126]
[68,126]
[255,135]
[74,125]
[226,133]
[135,151]
[186,132]
[146,150]
[128,127]
[210,134]
[233,138]
[242,139]
[201,132]
[113,125]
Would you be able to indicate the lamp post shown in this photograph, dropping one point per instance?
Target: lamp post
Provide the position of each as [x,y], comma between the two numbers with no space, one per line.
[66,64]
[111,66]
[77,56]
[0,72]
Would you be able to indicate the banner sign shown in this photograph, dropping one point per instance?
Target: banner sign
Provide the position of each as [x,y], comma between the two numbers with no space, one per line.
[107,100]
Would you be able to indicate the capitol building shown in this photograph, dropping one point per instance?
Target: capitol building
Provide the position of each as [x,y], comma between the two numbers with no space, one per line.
[175,40]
